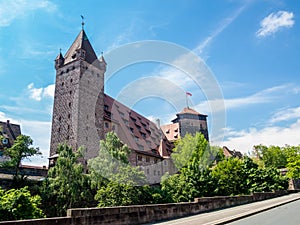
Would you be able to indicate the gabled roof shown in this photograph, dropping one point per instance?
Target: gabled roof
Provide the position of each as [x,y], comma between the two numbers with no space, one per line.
[232,153]
[81,42]
[171,131]
[10,132]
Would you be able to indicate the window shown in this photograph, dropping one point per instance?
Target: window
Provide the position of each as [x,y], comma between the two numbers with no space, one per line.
[158,173]
[136,139]
[165,162]
[155,160]
[106,125]
[147,159]
[71,80]
[122,114]
[147,171]
[126,122]
[140,158]
[106,107]
[63,83]
[69,115]
[70,104]
[167,131]
[154,172]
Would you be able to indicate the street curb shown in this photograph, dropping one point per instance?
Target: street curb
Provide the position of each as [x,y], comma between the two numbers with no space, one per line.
[245,215]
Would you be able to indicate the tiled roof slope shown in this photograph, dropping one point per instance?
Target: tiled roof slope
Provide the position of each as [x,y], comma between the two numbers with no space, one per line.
[232,153]
[138,132]
[81,42]
[189,111]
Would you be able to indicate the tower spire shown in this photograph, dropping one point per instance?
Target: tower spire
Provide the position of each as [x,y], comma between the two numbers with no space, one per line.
[82,22]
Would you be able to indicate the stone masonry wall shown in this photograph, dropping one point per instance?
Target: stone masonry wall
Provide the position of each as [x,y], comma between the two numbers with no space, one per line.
[140,214]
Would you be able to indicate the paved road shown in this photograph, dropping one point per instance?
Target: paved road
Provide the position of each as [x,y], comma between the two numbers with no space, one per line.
[288,214]
[232,214]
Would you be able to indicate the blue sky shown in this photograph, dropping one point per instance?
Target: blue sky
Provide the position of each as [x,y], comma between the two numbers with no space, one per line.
[250,47]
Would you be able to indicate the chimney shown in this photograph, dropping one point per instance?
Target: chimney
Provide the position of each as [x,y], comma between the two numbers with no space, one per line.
[158,123]
[7,121]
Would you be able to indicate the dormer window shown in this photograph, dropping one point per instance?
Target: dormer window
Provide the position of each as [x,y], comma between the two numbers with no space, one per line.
[81,54]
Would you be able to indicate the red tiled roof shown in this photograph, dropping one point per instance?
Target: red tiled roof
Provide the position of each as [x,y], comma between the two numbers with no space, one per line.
[190,111]
[138,132]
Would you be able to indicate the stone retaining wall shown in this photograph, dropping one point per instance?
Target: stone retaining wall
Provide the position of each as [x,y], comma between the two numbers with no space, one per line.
[140,214]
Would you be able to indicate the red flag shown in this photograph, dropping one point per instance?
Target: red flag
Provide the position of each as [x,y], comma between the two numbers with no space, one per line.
[188,93]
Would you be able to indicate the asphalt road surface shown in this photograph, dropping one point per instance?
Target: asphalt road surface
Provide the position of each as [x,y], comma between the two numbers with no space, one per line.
[287,208]
[288,214]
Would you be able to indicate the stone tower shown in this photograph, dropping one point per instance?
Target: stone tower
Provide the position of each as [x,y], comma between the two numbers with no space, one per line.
[79,86]
[190,121]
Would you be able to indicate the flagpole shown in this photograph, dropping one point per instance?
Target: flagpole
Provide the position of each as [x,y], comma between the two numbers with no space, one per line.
[186,98]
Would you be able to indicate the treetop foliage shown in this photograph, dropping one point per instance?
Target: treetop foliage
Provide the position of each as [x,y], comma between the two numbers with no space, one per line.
[18,204]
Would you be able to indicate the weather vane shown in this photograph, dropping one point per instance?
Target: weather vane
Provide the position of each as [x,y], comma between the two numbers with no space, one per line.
[82,21]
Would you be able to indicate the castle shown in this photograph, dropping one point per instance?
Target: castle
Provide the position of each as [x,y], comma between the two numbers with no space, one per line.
[83,114]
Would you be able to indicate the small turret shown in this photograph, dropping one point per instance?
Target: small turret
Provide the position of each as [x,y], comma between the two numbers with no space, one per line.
[59,61]
[102,62]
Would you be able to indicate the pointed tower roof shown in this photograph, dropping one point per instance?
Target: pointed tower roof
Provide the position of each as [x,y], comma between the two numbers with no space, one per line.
[81,42]
[59,56]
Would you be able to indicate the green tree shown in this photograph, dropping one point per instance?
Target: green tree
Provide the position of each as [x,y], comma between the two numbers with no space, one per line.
[21,149]
[118,183]
[272,156]
[193,156]
[229,175]
[191,149]
[112,157]
[19,204]
[293,164]
[67,185]
[267,179]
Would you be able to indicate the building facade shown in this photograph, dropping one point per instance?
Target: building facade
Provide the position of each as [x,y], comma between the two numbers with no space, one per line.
[83,114]
[9,133]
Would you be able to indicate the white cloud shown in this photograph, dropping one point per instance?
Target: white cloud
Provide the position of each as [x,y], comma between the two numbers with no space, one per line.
[264,96]
[286,114]
[11,9]
[225,23]
[39,93]
[275,21]
[274,135]
[244,140]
